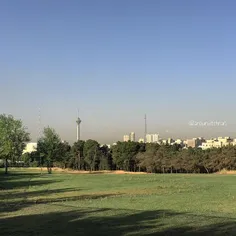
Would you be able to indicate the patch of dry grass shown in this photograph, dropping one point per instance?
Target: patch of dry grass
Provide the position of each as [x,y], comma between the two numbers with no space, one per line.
[227,172]
[70,171]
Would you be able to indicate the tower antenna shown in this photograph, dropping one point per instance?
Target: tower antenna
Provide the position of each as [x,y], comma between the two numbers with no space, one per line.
[78,121]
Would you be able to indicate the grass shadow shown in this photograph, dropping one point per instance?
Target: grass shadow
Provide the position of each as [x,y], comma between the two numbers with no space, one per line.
[22,179]
[101,222]
[22,203]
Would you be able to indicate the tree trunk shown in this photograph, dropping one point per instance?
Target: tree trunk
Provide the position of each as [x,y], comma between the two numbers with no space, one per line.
[41,167]
[49,167]
[206,169]
[6,166]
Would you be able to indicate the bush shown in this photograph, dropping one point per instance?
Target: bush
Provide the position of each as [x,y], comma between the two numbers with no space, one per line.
[34,164]
[59,165]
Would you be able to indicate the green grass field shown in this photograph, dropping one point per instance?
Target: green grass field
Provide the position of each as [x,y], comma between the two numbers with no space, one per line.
[109,204]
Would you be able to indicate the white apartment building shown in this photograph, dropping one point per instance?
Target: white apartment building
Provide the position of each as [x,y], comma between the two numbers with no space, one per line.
[148,138]
[129,137]
[217,143]
[225,141]
[126,138]
[132,137]
[152,138]
[30,147]
[208,144]
[155,138]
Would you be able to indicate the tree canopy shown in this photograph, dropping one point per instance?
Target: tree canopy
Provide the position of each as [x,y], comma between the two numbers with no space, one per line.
[13,138]
[49,147]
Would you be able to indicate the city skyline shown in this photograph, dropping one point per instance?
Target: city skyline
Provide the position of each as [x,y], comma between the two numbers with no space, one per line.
[173,60]
[203,131]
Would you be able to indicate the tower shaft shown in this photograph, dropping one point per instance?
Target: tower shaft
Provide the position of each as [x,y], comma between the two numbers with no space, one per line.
[78,132]
[78,121]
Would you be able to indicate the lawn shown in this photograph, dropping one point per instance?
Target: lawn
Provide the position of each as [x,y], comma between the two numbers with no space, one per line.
[111,204]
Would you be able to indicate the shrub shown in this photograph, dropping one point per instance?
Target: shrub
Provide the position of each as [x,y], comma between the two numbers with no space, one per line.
[34,164]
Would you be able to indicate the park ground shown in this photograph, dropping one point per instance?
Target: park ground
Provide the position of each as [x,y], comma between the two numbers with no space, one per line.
[116,204]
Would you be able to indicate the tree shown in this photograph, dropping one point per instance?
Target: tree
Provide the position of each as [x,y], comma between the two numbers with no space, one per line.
[49,147]
[64,155]
[116,151]
[77,160]
[13,137]
[91,154]
[105,158]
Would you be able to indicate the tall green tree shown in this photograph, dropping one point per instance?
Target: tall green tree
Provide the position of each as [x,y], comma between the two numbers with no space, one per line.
[124,155]
[64,156]
[77,160]
[49,147]
[105,158]
[91,154]
[13,138]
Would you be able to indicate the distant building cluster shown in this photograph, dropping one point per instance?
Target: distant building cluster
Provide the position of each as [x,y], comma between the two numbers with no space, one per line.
[194,142]
[152,138]
[129,137]
[210,143]
[218,142]
[155,138]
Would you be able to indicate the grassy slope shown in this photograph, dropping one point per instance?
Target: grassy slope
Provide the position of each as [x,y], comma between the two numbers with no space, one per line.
[106,204]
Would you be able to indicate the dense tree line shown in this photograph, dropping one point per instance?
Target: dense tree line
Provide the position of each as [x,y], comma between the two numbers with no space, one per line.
[128,156]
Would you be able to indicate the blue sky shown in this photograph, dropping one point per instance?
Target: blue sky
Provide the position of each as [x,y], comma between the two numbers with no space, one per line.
[116,61]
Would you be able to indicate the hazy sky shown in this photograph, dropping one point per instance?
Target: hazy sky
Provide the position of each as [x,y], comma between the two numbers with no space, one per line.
[117,60]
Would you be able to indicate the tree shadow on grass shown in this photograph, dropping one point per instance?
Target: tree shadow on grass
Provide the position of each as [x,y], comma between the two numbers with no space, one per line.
[22,203]
[27,194]
[21,180]
[112,222]
[16,185]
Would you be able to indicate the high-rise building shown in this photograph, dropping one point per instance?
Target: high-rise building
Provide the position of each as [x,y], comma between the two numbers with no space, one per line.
[148,138]
[132,137]
[152,138]
[155,138]
[126,138]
